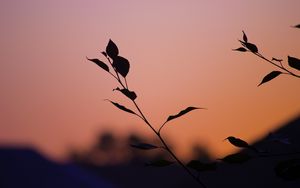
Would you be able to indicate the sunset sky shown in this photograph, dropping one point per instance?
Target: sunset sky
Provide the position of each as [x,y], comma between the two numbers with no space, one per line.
[180,53]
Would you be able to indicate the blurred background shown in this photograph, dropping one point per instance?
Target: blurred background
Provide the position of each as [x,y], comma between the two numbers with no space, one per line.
[181,55]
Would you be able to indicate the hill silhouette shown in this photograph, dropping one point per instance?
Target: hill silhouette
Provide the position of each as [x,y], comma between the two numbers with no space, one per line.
[24,167]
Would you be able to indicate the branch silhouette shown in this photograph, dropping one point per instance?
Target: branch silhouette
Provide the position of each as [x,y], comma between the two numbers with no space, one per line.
[121,66]
[293,62]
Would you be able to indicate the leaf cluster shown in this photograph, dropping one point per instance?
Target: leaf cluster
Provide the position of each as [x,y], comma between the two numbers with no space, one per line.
[293,62]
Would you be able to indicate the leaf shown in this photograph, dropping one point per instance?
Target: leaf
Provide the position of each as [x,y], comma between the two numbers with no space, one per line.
[294,62]
[144,146]
[252,47]
[237,158]
[241,49]
[160,163]
[237,142]
[297,26]
[181,113]
[99,63]
[121,65]
[121,107]
[111,49]
[130,94]
[269,77]
[104,53]
[245,37]
[200,166]
[275,59]
[288,169]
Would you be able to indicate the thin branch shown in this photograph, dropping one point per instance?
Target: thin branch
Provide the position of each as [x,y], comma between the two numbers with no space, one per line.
[196,178]
[279,66]
[126,83]
[142,116]
[161,127]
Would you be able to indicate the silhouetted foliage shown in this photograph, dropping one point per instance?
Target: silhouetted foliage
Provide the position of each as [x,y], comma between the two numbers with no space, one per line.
[130,94]
[297,26]
[270,76]
[122,107]
[100,64]
[121,67]
[292,61]
[237,142]
[144,146]
[237,158]
[181,113]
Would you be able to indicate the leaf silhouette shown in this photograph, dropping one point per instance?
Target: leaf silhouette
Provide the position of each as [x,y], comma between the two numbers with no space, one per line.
[245,37]
[294,62]
[181,113]
[237,142]
[130,94]
[241,49]
[111,49]
[121,107]
[104,53]
[99,63]
[121,65]
[200,166]
[288,169]
[297,26]
[252,47]
[275,59]
[269,77]
[144,146]
[237,158]
[159,163]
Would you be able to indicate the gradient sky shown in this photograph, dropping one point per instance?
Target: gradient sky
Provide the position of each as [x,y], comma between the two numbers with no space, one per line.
[180,52]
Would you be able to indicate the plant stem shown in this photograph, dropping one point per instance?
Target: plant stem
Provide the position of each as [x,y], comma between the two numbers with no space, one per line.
[281,67]
[118,77]
[143,116]
[196,178]
[167,148]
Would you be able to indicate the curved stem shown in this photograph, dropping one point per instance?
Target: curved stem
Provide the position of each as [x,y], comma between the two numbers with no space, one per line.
[196,178]
[126,83]
[161,127]
[167,148]
[143,117]
[113,75]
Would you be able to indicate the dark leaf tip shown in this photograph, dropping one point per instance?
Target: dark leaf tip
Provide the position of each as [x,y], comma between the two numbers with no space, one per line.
[183,112]
[269,77]
[99,63]
[111,49]
[294,62]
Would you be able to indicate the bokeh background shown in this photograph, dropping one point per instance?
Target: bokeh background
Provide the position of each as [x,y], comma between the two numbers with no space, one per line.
[181,55]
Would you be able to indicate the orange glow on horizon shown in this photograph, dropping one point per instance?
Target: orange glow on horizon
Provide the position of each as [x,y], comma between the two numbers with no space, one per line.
[180,54]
